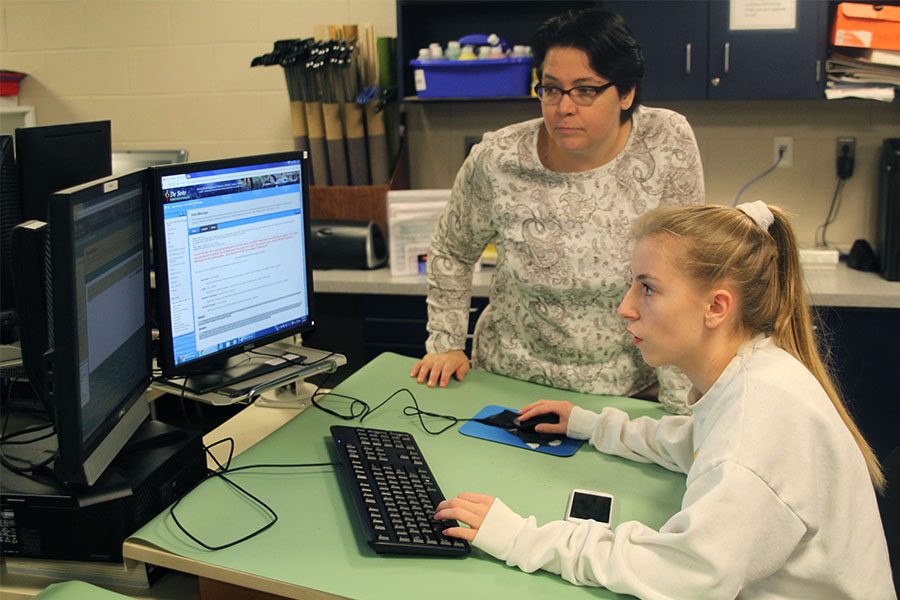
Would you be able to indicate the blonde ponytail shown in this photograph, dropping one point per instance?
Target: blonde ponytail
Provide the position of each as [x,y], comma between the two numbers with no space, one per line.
[794,332]
[764,265]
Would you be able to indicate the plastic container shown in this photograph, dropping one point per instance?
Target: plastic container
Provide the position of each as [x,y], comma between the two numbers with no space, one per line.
[472,78]
[9,82]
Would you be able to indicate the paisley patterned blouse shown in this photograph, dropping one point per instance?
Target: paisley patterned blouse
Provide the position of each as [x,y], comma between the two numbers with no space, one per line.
[563,256]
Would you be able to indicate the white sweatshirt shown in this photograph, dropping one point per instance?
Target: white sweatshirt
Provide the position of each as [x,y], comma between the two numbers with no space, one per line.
[778,503]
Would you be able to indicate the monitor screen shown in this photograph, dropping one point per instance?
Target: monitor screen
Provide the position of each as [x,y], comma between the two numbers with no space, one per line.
[53,157]
[101,357]
[232,245]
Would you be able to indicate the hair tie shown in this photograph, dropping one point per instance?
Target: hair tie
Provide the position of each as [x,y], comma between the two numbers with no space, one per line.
[759,212]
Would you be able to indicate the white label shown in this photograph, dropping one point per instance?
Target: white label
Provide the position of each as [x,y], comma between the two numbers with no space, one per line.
[762,14]
[420,80]
[110,186]
[855,37]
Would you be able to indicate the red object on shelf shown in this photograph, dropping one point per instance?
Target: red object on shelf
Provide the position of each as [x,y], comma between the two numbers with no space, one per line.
[9,82]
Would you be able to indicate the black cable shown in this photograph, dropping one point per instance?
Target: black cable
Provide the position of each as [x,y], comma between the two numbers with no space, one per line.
[31,429]
[28,469]
[227,469]
[832,213]
[364,410]
[758,177]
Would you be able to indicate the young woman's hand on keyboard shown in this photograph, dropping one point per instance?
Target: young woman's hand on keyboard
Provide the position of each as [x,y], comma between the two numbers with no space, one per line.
[467,508]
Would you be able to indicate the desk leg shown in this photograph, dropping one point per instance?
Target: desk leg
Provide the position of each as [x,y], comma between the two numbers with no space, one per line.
[210,589]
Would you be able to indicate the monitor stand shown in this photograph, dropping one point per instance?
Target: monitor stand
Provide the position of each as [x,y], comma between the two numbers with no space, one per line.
[228,372]
[297,394]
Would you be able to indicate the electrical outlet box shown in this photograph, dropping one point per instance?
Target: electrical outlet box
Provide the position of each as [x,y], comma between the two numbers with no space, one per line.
[845,157]
[846,146]
[787,160]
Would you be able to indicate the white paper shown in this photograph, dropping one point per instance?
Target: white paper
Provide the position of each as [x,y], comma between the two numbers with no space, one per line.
[747,15]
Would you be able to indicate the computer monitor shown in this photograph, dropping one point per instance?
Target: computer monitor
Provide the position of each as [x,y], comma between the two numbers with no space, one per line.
[124,161]
[231,240]
[86,340]
[10,216]
[53,157]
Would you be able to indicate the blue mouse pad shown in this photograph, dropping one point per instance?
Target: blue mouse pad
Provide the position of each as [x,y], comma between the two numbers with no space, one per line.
[567,446]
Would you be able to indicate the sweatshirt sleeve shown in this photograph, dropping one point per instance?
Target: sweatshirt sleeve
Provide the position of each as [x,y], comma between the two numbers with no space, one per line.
[732,530]
[667,441]
[457,242]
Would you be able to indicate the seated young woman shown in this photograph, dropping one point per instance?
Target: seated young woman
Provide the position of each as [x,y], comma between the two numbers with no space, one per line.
[780,496]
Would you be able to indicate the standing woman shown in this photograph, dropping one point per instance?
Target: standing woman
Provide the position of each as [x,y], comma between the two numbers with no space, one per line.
[557,196]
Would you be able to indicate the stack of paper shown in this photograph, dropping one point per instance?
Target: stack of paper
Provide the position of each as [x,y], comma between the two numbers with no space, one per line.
[411,215]
[863,73]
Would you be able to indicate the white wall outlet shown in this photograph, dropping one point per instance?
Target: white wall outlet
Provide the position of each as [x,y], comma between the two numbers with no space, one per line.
[788,144]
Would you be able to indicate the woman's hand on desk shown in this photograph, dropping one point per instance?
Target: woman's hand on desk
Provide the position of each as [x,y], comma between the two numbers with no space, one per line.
[438,368]
[470,509]
[543,407]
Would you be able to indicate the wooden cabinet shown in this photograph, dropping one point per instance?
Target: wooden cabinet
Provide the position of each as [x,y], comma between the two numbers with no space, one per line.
[673,37]
[692,52]
[768,64]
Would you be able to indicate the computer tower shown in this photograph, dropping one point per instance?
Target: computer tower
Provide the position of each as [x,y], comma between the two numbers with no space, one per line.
[887,242]
[48,521]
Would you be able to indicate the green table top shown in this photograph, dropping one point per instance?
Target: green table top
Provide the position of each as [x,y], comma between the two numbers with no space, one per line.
[316,542]
[77,590]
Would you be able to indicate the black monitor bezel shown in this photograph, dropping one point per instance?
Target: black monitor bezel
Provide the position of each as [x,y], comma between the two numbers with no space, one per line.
[165,355]
[31,161]
[78,460]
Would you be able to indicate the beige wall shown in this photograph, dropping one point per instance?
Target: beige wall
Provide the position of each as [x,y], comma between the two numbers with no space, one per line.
[175,73]
[736,144]
[168,73]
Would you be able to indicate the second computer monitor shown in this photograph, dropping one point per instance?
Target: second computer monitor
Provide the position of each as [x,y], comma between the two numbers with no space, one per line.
[53,157]
[231,239]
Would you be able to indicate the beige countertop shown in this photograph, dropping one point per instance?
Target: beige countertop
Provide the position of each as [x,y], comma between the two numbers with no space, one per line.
[828,286]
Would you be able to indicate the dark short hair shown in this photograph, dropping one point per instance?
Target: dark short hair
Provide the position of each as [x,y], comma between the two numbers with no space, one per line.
[605,37]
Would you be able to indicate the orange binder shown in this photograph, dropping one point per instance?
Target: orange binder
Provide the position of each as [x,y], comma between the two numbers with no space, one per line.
[867,26]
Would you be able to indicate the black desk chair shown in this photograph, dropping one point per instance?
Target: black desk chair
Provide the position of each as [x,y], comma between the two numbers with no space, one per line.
[889,505]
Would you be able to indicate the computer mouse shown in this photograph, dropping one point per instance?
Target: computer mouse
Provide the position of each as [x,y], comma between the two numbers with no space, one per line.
[529,425]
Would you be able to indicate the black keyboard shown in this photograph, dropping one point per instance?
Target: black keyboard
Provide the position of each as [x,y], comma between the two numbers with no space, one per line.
[394,492]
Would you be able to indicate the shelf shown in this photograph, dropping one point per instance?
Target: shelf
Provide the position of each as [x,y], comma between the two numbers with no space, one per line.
[417,100]
[12,117]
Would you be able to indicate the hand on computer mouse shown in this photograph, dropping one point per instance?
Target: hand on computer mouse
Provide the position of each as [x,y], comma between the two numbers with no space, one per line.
[547,416]
[529,425]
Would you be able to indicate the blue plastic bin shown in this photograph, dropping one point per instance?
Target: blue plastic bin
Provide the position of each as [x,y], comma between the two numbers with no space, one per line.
[472,78]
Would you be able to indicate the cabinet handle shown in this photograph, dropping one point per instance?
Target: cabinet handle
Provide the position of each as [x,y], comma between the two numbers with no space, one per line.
[818,71]
[687,58]
[473,310]
[727,57]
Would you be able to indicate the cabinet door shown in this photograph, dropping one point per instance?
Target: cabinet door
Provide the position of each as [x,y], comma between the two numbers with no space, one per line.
[758,64]
[673,38]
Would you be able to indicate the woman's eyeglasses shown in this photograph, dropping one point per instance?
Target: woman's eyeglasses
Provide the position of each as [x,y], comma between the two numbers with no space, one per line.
[582,95]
